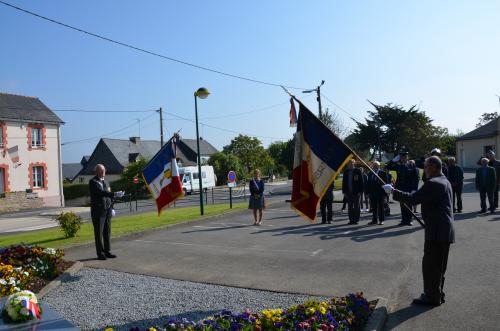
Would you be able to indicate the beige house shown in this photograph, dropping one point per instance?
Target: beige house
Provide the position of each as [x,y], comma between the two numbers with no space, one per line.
[30,154]
[474,145]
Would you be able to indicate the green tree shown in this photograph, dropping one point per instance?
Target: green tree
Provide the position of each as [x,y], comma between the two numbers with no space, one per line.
[486,118]
[282,152]
[223,163]
[251,153]
[126,181]
[392,129]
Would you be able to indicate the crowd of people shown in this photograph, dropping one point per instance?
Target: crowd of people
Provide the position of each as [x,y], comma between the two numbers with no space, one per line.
[362,187]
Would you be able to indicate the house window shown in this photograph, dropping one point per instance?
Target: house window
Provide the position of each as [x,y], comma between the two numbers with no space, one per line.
[36,137]
[38,180]
[1,136]
[81,179]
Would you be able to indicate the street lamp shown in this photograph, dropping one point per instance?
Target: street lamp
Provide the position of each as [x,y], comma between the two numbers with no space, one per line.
[202,93]
[318,93]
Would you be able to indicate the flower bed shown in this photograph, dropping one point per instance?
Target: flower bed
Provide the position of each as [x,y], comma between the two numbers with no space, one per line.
[346,313]
[25,267]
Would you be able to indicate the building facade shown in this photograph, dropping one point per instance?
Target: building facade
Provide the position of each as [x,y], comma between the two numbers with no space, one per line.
[30,154]
[476,143]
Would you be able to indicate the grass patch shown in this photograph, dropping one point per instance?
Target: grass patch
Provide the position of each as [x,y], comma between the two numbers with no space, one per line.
[120,226]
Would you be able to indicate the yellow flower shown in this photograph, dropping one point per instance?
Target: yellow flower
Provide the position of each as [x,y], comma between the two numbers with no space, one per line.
[151,329]
[108,329]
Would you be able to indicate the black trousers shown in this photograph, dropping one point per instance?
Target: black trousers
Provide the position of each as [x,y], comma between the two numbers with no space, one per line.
[483,194]
[457,196]
[405,214]
[326,207]
[434,266]
[101,219]
[353,207]
[378,208]
[495,196]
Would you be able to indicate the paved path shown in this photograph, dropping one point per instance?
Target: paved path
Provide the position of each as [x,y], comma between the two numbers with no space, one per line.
[288,254]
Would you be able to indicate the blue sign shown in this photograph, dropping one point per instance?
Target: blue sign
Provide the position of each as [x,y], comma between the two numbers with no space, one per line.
[231,176]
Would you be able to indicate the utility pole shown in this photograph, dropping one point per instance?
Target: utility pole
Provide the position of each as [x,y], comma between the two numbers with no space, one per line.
[318,95]
[161,126]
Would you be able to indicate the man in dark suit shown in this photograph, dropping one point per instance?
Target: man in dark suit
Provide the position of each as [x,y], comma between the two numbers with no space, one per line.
[493,162]
[326,206]
[377,193]
[435,196]
[352,187]
[101,212]
[456,178]
[486,183]
[404,179]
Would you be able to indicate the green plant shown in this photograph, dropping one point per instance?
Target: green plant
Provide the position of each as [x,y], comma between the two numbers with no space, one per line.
[75,191]
[70,223]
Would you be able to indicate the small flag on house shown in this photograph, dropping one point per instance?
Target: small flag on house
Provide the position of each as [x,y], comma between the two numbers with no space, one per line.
[319,158]
[293,114]
[14,154]
[161,175]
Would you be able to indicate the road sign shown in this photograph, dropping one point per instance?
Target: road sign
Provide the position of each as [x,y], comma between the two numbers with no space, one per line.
[231,176]
[136,180]
[231,184]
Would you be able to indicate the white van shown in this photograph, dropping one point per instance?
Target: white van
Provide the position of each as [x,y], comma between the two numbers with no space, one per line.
[190,180]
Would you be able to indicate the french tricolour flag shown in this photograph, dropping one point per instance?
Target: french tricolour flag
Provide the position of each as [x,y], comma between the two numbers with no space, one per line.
[161,175]
[319,158]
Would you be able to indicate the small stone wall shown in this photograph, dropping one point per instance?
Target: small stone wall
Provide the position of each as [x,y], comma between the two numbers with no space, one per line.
[14,201]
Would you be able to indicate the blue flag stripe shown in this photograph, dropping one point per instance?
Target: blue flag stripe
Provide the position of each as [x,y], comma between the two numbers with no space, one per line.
[323,142]
[155,167]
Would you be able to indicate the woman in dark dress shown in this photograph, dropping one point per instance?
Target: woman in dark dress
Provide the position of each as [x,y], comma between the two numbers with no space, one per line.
[257,203]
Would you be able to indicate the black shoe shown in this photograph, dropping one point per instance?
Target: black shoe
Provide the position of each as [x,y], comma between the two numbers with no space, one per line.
[372,223]
[459,211]
[482,211]
[323,222]
[329,222]
[101,257]
[380,223]
[454,210]
[409,223]
[425,301]
[110,256]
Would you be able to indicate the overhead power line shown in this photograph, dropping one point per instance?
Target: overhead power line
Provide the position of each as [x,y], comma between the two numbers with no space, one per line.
[139,49]
[87,110]
[105,134]
[222,129]
[339,107]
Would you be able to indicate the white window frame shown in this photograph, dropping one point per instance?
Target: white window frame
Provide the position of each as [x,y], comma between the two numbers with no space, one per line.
[36,138]
[38,177]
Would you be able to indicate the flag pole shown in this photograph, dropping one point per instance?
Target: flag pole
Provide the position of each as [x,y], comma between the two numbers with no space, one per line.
[364,163]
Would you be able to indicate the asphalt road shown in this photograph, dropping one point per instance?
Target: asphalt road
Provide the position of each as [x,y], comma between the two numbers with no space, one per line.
[33,220]
[288,254]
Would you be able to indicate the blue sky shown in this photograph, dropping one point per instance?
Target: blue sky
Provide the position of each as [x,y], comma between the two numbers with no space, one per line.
[442,55]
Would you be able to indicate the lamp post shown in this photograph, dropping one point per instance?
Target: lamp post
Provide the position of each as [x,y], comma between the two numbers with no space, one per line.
[201,93]
[318,93]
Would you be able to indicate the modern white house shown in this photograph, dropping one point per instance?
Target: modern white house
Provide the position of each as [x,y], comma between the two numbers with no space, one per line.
[30,154]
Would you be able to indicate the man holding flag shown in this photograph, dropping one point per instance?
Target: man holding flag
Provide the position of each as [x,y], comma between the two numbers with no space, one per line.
[161,175]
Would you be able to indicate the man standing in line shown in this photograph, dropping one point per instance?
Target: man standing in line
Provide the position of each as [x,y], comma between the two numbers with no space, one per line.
[456,178]
[404,179]
[101,212]
[486,182]
[352,187]
[435,196]
[377,193]
[326,206]
[496,165]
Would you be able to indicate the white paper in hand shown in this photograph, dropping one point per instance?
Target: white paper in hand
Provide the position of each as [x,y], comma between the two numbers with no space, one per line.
[397,158]
[113,212]
[388,188]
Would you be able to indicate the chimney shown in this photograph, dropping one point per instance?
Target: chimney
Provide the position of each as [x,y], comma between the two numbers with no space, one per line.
[135,140]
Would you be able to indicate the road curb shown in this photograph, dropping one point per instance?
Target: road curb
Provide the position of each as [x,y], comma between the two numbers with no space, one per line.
[70,272]
[379,315]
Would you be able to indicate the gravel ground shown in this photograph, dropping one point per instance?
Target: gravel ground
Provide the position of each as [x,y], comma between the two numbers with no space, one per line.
[99,298]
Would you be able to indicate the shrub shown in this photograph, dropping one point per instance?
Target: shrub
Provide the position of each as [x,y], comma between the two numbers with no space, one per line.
[76,191]
[70,223]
